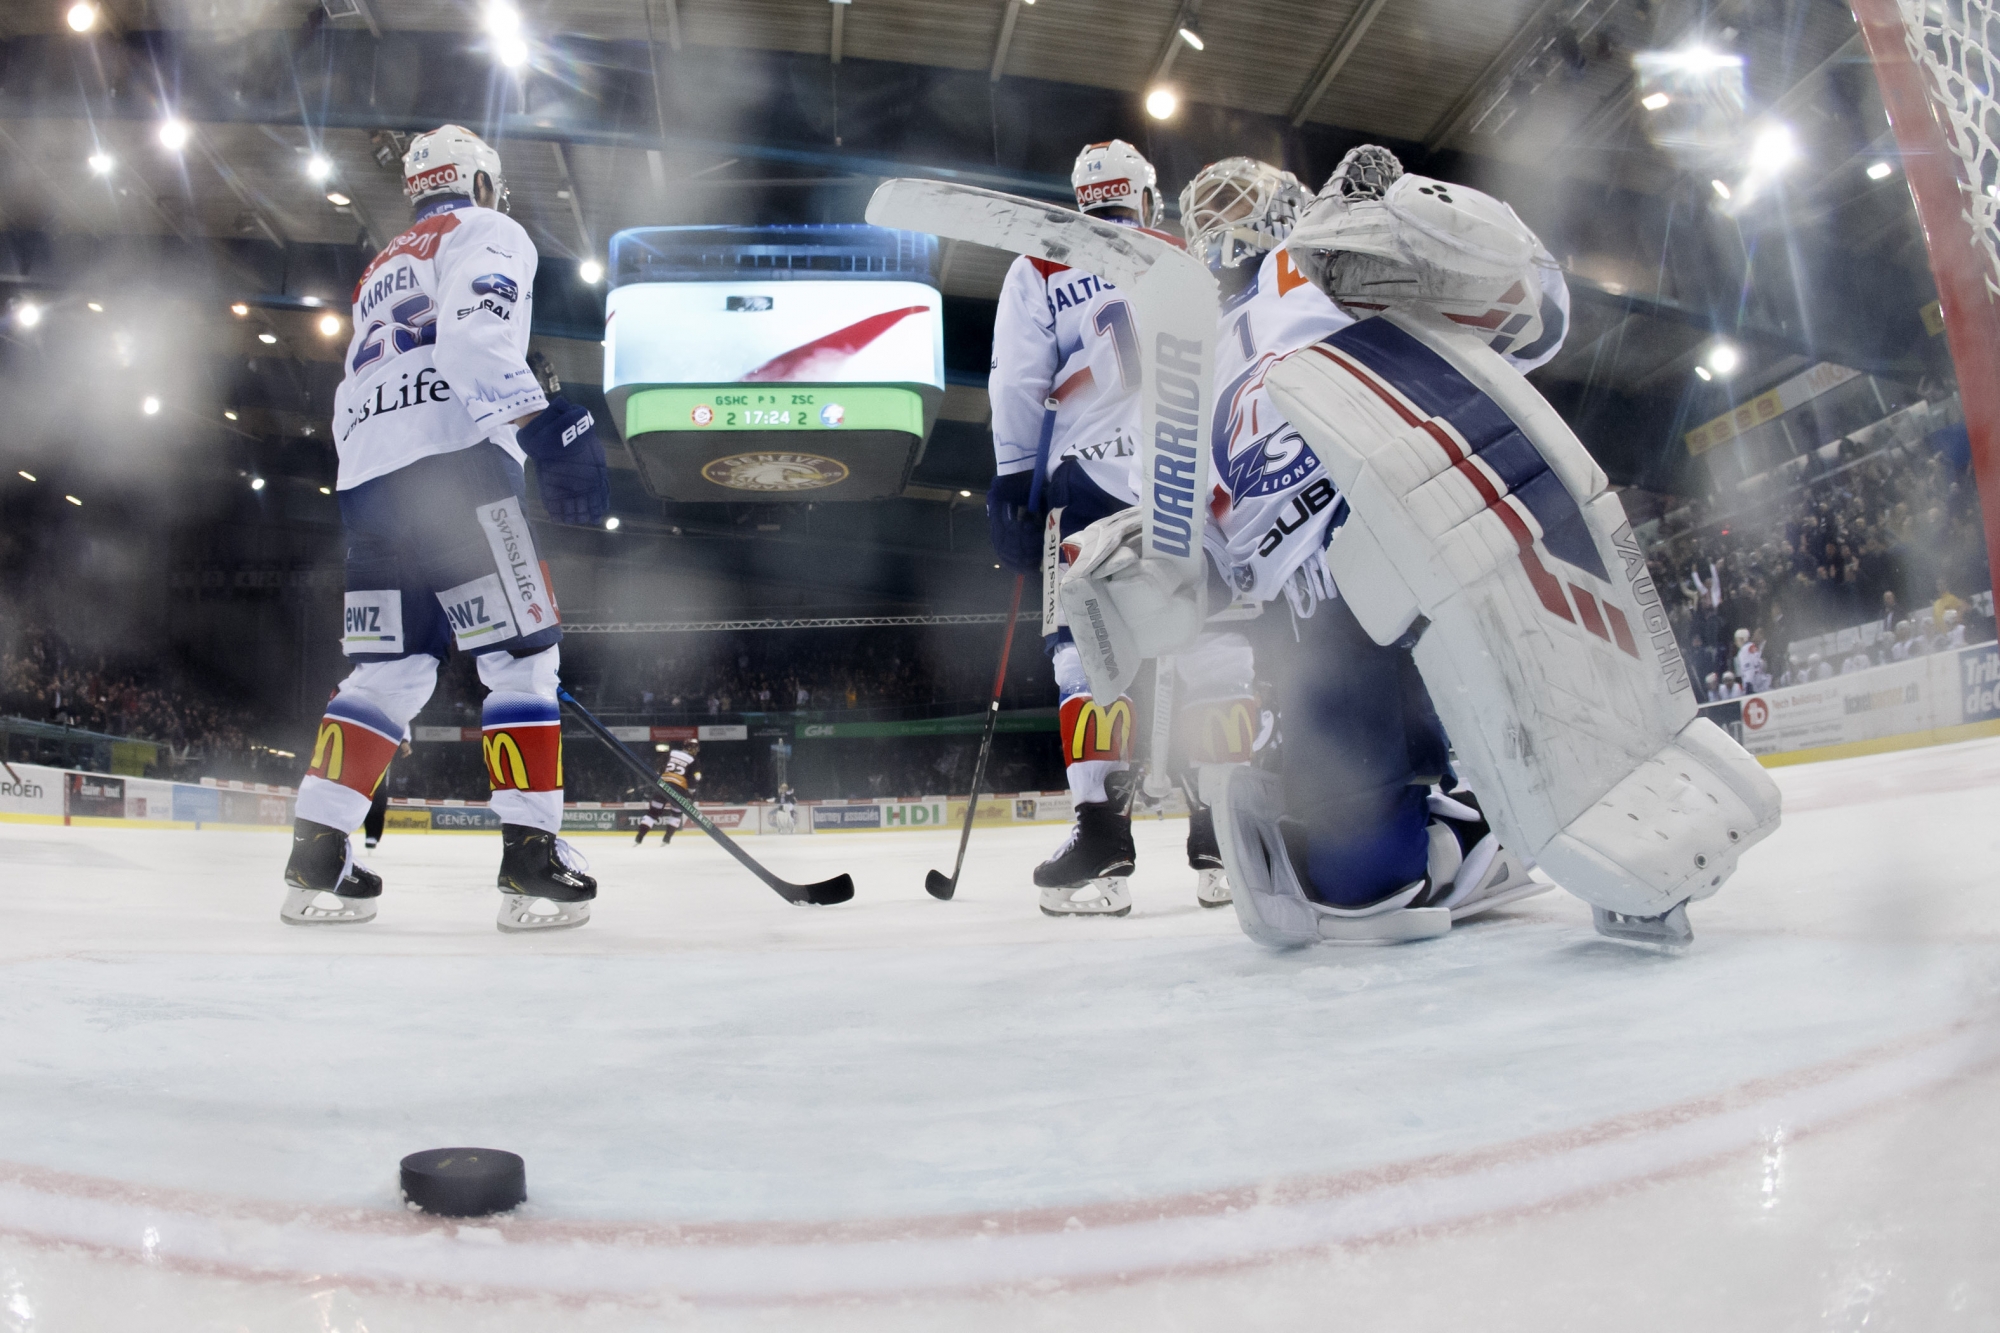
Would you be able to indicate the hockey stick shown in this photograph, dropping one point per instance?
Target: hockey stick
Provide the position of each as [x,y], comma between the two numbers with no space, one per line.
[1173,300]
[836,890]
[936,884]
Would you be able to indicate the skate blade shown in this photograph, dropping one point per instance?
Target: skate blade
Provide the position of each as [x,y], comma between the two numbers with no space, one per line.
[518,917]
[1113,899]
[1669,930]
[302,908]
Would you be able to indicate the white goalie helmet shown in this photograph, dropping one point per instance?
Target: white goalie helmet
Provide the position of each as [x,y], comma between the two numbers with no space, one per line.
[1428,243]
[1116,175]
[445,161]
[1238,209]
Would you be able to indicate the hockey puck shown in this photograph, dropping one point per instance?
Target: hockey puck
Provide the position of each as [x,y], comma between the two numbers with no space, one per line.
[464,1182]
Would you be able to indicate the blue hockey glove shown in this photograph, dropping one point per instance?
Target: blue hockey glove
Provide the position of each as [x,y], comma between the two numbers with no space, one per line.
[1017,529]
[569,462]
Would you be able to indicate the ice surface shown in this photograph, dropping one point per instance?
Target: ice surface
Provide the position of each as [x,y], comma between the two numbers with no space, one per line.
[899,1112]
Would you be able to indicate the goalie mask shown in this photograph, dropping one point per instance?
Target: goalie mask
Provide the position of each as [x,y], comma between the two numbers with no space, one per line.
[1424,243]
[1238,209]
[446,160]
[1116,175]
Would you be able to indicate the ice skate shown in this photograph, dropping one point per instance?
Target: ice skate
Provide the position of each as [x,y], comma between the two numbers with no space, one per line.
[1205,858]
[543,884]
[1669,930]
[640,836]
[1476,873]
[1086,876]
[326,885]
[1270,897]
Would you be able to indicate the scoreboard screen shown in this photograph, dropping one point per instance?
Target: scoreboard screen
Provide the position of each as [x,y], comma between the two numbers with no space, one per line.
[776,362]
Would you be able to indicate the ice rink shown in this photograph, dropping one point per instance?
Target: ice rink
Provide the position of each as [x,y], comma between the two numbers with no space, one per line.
[901,1113]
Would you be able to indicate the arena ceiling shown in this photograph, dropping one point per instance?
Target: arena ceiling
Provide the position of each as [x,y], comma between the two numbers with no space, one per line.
[637,112]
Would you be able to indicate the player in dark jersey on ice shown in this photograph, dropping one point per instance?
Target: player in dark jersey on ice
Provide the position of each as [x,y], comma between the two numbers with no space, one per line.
[679,770]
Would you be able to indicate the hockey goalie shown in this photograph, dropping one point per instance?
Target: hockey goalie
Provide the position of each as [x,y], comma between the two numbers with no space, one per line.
[1467,593]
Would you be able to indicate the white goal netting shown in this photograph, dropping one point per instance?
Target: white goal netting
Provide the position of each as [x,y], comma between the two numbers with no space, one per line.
[1956,43]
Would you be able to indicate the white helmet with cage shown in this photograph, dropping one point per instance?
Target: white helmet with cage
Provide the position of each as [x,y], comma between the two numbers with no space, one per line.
[446,160]
[1423,242]
[1116,175]
[1238,209]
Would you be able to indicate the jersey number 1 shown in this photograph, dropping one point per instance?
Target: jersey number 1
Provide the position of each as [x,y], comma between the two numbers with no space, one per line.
[1114,321]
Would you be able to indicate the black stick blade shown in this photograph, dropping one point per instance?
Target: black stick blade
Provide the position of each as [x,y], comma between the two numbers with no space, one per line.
[829,891]
[939,887]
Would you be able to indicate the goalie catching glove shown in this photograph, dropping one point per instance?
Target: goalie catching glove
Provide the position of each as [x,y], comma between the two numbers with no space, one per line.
[570,468]
[1124,607]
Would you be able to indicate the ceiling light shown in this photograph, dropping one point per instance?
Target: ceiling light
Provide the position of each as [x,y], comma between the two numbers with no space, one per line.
[1697,59]
[318,167]
[965,495]
[27,314]
[100,163]
[337,199]
[611,524]
[173,134]
[1192,36]
[1702,373]
[73,500]
[1162,103]
[590,271]
[94,307]
[82,17]
[329,325]
[1774,150]
[1879,171]
[1654,101]
[229,416]
[256,483]
[1723,359]
[1719,188]
[267,338]
[150,405]
[326,490]
[25,473]
[502,19]
[239,309]
[511,52]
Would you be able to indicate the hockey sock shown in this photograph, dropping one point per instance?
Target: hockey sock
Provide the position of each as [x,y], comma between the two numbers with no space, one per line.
[522,738]
[355,743]
[1096,741]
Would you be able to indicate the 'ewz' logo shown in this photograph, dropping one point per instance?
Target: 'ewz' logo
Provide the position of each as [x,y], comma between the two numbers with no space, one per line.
[468,614]
[364,620]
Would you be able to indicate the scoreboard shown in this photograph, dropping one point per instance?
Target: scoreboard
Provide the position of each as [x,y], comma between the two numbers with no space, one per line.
[774,363]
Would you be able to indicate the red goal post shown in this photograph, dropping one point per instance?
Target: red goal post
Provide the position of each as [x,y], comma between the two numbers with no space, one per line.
[1934,61]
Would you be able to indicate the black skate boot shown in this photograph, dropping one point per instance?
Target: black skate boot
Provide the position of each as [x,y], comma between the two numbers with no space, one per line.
[1086,876]
[643,831]
[1204,854]
[325,885]
[537,866]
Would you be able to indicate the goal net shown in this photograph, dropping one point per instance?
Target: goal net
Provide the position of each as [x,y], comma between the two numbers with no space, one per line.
[1935,61]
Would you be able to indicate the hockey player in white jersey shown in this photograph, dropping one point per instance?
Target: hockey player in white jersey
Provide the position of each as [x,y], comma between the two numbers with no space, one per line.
[433,419]
[1443,540]
[1066,415]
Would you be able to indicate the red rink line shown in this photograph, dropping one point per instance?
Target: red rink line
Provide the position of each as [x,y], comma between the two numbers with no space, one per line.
[887,1258]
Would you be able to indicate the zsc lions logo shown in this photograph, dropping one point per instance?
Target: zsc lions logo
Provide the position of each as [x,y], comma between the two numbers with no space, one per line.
[774,471]
[497,294]
[832,414]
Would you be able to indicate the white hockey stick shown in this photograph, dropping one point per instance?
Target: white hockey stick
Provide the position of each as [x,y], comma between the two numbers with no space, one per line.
[1173,298]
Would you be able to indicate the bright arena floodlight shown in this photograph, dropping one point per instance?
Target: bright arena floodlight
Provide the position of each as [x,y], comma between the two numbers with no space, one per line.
[73,500]
[1720,188]
[1702,374]
[100,163]
[239,309]
[329,325]
[503,22]
[1161,103]
[173,135]
[1774,150]
[337,199]
[27,314]
[1192,36]
[611,524]
[1654,101]
[150,405]
[267,338]
[27,474]
[318,167]
[590,271]
[82,17]
[1723,359]
[256,483]
[1879,171]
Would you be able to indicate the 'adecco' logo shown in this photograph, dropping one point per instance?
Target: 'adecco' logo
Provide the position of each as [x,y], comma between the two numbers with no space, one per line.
[1979,675]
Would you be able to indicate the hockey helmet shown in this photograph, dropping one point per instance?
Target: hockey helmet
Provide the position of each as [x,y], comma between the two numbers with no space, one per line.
[446,160]
[1366,172]
[1239,208]
[1116,175]
[1424,243]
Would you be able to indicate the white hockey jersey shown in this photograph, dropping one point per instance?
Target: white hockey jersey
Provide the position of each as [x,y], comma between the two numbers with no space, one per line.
[438,359]
[1065,337]
[1272,501]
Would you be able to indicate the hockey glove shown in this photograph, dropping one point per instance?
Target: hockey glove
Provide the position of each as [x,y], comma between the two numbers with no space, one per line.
[1017,529]
[569,462]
